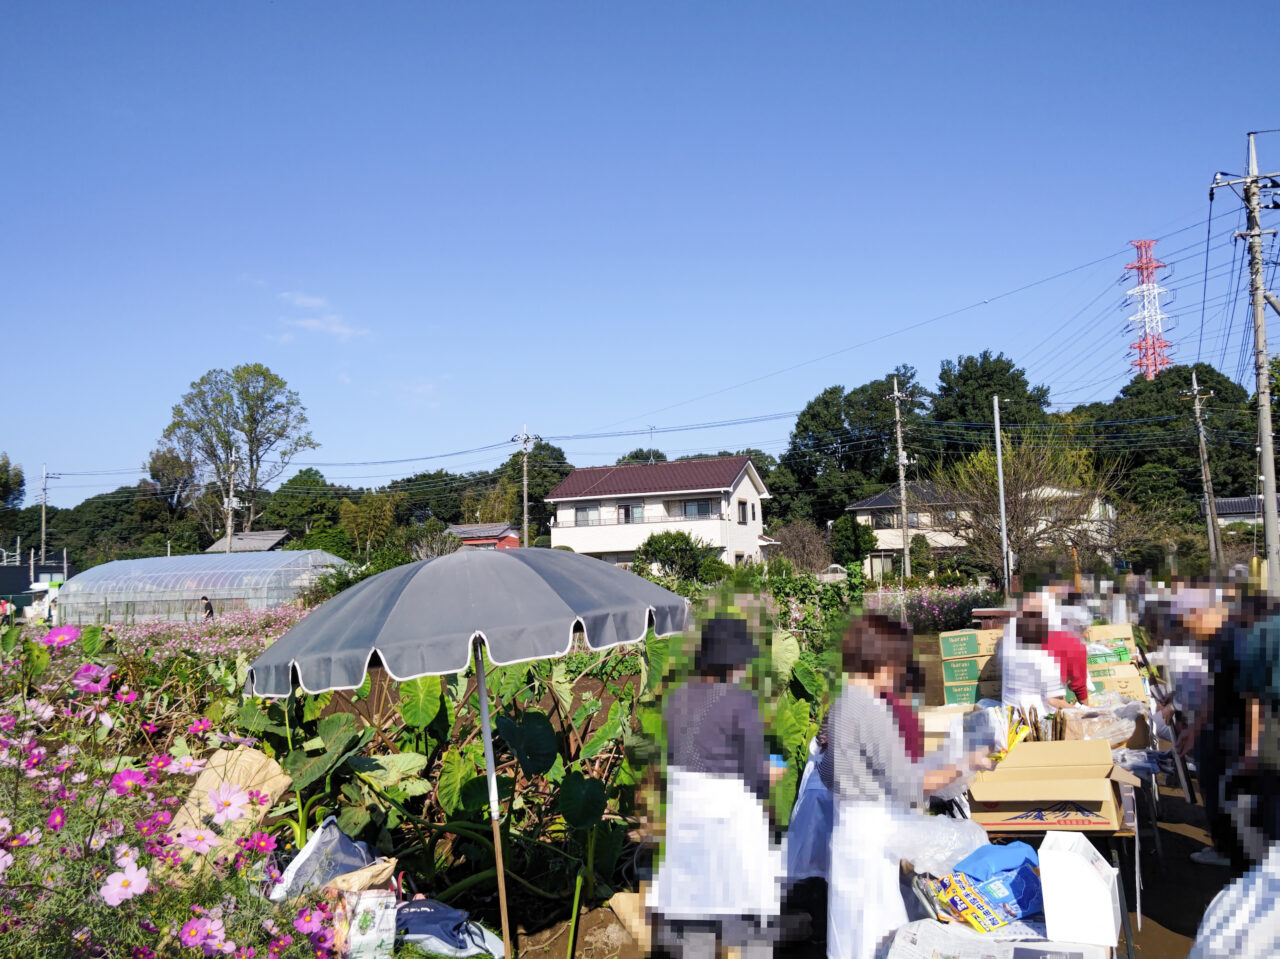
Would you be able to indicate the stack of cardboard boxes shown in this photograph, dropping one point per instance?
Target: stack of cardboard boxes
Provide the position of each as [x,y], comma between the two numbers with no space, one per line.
[1115,670]
[970,667]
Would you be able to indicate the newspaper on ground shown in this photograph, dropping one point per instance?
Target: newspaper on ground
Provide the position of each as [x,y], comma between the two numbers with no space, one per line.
[927,939]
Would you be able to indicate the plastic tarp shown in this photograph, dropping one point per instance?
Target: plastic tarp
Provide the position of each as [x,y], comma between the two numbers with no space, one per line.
[327,854]
[444,931]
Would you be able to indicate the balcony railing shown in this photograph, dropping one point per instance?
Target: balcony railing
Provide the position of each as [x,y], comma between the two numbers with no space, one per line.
[574,523]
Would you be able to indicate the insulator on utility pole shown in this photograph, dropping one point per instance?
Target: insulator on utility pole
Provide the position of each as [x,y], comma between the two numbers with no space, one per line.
[524,439]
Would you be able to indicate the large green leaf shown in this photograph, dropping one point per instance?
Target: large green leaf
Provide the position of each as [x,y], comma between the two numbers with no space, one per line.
[337,733]
[506,681]
[384,772]
[791,723]
[455,772]
[607,732]
[338,729]
[560,686]
[656,653]
[9,639]
[783,795]
[35,657]
[532,740]
[808,677]
[581,800]
[420,700]
[92,640]
[784,653]
[353,819]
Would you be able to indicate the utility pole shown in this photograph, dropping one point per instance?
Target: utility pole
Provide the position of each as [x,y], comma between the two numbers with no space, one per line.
[524,439]
[230,507]
[1211,506]
[1251,183]
[45,476]
[1004,529]
[897,397]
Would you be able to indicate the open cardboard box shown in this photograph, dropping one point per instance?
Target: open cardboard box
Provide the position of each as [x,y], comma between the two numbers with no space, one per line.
[1051,786]
[962,643]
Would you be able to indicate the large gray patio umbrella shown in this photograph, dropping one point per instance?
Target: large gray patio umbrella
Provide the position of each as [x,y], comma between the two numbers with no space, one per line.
[433,617]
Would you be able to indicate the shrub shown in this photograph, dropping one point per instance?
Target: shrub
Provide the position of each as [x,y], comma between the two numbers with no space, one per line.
[932,609]
[675,554]
[713,570]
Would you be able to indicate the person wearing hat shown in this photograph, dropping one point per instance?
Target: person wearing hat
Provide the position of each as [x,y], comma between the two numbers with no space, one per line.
[719,882]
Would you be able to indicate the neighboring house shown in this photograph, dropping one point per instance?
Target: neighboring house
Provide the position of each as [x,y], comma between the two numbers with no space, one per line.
[486,535]
[935,513]
[1237,509]
[608,511]
[257,541]
[927,509]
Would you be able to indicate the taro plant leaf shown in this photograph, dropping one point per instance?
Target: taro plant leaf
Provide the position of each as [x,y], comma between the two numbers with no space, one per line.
[384,772]
[363,691]
[609,839]
[475,794]
[783,795]
[556,773]
[314,705]
[808,677]
[791,723]
[656,653]
[420,700]
[581,800]
[561,687]
[92,640]
[609,730]
[338,730]
[417,786]
[509,680]
[9,639]
[353,819]
[455,772]
[532,740]
[784,653]
[251,718]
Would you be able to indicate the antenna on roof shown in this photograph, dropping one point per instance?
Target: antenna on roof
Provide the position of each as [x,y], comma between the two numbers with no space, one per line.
[651,429]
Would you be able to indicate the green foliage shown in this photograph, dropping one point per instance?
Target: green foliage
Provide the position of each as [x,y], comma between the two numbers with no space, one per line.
[851,541]
[713,570]
[640,455]
[674,553]
[966,385]
[532,739]
[582,800]
[921,555]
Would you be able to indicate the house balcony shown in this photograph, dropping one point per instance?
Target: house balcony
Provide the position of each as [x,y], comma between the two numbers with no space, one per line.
[572,522]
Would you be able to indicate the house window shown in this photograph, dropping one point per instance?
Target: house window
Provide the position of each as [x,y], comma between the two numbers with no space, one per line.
[913,521]
[586,516]
[631,513]
[885,520]
[738,559]
[742,512]
[753,512]
[697,509]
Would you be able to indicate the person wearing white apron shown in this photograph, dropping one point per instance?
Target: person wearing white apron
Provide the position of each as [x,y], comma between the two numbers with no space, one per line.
[720,877]
[875,785]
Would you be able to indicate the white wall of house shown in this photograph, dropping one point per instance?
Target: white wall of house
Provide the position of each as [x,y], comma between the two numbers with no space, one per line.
[609,527]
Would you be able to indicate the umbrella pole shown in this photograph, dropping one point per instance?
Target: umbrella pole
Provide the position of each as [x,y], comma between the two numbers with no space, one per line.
[491,772]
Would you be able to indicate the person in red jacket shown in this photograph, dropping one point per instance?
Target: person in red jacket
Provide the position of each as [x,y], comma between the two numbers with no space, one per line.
[1069,653]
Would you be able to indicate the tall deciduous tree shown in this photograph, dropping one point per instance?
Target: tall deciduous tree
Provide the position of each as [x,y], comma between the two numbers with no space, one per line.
[851,541]
[303,502]
[804,545]
[369,521]
[247,417]
[12,490]
[547,467]
[642,455]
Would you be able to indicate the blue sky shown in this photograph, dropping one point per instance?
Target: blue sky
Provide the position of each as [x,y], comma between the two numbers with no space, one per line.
[441,222]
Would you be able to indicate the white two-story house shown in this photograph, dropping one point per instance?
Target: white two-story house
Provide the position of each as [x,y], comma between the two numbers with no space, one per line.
[608,511]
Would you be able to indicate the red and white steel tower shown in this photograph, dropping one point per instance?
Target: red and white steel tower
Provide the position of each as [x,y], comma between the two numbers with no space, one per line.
[1151,348]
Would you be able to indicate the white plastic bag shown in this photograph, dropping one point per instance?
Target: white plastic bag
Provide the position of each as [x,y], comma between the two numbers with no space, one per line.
[934,844]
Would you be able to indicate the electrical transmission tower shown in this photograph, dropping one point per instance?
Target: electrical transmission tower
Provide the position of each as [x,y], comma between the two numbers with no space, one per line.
[1151,347]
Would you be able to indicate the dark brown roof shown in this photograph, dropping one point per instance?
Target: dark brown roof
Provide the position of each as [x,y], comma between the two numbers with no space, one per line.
[636,478]
[465,531]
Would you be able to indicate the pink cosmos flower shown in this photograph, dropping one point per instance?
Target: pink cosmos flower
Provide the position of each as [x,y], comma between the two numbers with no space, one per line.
[6,860]
[186,766]
[259,842]
[129,882]
[125,855]
[322,939]
[91,679]
[29,838]
[57,818]
[150,728]
[194,932]
[228,802]
[125,781]
[200,840]
[246,952]
[126,696]
[215,940]
[62,636]
[200,727]
[308,920]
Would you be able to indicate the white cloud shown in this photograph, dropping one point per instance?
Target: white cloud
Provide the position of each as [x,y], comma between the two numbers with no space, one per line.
[344,378]
[304,301]
[333,324]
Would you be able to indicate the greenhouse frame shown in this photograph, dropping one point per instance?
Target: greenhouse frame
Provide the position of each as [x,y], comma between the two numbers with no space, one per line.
[170,587]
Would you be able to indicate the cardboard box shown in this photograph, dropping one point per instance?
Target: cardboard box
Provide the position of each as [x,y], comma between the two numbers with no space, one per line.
[1105,634]
[1118,654]
[1081,891]
[964,643]
[1051,786]
[970,693]
[1122,678]
[974,669]
[937,722]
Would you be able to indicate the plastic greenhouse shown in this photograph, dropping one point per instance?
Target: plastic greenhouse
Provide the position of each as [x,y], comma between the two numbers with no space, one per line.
[170,587]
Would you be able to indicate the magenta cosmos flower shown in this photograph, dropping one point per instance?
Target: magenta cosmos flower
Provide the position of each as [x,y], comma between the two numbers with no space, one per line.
[57,818]
[62,636]
[194,932]
[228,802]
[129,882]
[91,679]
[309,920]
[125,781]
